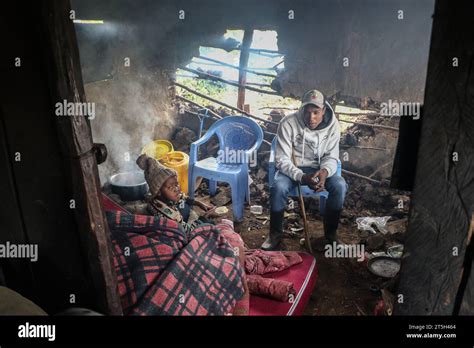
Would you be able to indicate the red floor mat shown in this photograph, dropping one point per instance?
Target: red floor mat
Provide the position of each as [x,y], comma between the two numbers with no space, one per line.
[303,276]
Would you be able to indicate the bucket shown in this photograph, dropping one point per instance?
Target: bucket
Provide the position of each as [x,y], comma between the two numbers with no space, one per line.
[179,161]
[157,148]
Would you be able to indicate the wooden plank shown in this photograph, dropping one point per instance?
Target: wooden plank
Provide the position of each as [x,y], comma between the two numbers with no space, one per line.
[76,142]
[243,63]
[443,196]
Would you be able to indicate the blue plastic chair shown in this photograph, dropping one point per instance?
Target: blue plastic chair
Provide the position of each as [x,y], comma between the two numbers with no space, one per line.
[239,137]
[305,190]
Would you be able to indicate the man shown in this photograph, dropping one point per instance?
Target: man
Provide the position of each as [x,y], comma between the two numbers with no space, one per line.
[313,135]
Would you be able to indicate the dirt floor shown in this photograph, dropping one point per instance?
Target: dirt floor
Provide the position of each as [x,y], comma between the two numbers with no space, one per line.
[345,286]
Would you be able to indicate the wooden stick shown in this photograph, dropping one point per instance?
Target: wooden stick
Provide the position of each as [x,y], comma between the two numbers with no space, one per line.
[357,114]
[303,210]
[255,84]
[236,67]
[371,125]
[274,67]
[217,78]
[200,106]
[260,50]
[223,104]
[233,81]
[264,131]
[196,114]
[277,107]
[361,176]
[364,147]
[253,50]
[380,168]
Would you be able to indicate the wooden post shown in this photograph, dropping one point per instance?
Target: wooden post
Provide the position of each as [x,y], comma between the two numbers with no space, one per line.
[76,143]
[436,271]
[243,63]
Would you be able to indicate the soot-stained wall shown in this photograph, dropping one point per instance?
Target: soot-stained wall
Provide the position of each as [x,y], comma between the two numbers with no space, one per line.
[387,55]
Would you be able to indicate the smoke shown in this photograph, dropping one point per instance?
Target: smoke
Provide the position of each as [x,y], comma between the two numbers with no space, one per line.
[132,101]
[133,109]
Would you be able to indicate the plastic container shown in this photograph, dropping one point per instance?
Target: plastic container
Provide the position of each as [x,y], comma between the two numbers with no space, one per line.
[158,148]
[179,161]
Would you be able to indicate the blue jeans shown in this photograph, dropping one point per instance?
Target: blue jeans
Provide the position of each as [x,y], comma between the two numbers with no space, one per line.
[282,185]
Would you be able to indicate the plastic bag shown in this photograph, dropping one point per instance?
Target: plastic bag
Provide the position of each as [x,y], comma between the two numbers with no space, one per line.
[366,223]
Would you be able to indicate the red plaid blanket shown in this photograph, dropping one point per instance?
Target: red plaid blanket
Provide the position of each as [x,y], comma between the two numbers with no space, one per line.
[163,270]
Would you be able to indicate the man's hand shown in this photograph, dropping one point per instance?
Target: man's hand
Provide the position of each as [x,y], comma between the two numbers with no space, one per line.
[315,181]
[309,180]
[322,175]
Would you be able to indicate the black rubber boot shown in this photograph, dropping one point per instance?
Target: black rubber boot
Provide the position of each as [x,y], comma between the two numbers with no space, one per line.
[331,221]
[276,231]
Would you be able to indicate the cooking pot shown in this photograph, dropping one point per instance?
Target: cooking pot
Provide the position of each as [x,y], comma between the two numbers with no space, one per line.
[130,186]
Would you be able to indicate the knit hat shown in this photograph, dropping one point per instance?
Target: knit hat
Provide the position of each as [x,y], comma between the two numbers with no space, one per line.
[313,97]
[155,173]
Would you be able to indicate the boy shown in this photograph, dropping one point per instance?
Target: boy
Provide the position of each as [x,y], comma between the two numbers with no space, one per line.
[166,197]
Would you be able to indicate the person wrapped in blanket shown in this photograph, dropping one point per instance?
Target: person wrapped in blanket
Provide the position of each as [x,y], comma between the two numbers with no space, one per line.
[168,200]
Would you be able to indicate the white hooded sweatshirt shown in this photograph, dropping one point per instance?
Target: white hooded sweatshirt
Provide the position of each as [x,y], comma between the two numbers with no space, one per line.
[318,149]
